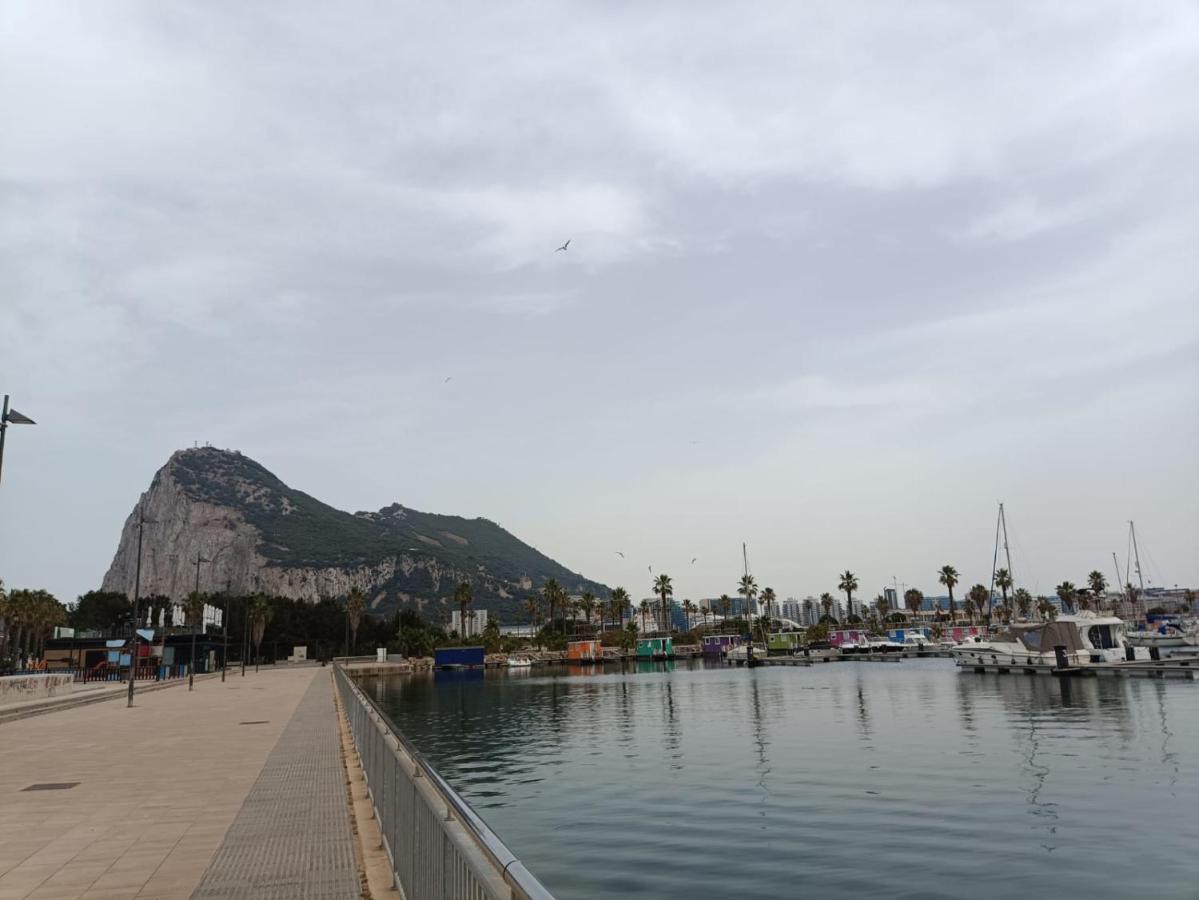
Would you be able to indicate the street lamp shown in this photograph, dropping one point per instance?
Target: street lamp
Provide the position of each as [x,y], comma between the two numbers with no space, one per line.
[137,588]
[191,668]
[10,417]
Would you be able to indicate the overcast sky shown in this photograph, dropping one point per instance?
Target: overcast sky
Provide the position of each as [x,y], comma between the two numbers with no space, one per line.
[841,277]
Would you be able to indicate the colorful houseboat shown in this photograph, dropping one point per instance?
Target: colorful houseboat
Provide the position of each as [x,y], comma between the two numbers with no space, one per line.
[655,648]
[584,651]
[717,645]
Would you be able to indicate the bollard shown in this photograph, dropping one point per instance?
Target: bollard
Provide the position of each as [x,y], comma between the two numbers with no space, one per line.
[1130,653]
[1063,661]
[1155,653]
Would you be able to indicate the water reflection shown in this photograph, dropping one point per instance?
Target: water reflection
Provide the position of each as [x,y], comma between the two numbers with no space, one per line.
[891,757]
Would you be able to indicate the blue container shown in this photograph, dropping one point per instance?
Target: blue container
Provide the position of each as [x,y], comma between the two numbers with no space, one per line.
[458,657]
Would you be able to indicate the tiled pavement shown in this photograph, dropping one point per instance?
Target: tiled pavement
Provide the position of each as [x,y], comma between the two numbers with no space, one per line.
[158,786]
[292,838]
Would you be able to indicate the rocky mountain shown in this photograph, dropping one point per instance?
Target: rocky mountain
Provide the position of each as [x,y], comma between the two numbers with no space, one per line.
[254,533]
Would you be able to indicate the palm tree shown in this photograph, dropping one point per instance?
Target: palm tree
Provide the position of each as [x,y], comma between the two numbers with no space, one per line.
[354,608]
[620,602]
[1003,581]
[1023,602]
[587,606]
[768,599]
[1047,610]
[849,584]
[664,589]
[980,597]
[532,607]
[688,611]
[1067,593]
[949,577]
[726,607]
[259,610]
[1098,585]
[826,602]
[644,613]
[968,608]
[554,598]
[913,599]
[748,588]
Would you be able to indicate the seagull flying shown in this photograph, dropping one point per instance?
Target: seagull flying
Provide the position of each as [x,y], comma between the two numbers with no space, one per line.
[448,379]
[563,247]
[621,555]
[693,559]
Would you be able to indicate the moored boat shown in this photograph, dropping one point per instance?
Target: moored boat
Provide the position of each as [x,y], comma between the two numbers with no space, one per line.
[1083,638]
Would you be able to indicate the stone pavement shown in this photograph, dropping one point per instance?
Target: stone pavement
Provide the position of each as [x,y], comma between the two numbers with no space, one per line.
[292,837]
[153,789]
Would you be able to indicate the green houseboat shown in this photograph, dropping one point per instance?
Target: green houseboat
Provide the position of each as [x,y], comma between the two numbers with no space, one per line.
[655,648]
[784,641]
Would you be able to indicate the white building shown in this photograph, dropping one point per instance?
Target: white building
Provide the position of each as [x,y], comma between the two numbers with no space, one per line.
[476,621]
[793,609]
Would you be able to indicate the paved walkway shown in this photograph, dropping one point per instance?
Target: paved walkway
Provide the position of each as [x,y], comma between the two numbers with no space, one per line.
[292,838]
[150,791]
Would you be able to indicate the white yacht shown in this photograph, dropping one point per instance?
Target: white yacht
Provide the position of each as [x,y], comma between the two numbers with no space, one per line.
[520,662]
[1167,635]
[1086,637]
[740,654]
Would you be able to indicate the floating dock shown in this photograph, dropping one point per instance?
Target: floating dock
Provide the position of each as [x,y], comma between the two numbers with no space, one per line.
[1142,668]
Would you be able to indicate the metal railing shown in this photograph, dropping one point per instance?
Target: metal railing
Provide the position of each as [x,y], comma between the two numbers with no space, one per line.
[438,845]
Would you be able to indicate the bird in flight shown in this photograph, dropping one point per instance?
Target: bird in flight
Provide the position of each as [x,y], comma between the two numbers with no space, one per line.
[563,247]
[621,555]
[448,379]
[693,559]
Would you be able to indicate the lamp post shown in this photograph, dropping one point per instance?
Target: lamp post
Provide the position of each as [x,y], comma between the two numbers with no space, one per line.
[191,666]
[137,589]
[10,417]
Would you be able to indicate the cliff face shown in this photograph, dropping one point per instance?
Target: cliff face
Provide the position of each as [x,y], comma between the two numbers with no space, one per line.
[253,533]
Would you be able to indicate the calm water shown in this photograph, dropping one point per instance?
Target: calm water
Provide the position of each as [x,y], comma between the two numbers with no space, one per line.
[841,780]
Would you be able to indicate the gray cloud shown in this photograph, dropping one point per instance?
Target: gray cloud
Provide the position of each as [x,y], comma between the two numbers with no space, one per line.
[839,277]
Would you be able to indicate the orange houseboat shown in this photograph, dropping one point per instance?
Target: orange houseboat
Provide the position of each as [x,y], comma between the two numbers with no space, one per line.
[584,651]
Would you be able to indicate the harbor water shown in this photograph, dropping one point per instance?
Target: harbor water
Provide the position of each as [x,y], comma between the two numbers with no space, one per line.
[850,779]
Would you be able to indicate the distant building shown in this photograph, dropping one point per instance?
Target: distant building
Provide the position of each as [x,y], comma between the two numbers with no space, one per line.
[810,612]
[892,597]
[793,609]
[476,621]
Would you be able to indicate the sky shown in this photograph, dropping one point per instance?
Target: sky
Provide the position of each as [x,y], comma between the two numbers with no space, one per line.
[841,277]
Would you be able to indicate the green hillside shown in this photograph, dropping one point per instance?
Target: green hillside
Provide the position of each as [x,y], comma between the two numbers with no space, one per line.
[297,530]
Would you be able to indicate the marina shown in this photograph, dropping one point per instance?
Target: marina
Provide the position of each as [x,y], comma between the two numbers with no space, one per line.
[819,774]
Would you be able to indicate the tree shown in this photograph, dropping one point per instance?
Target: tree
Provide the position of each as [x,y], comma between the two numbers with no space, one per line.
[532,607]
[968,608]
[748,588]
[880,605]
[620,601]
[980,599]
[1003,581]
[491,636]
[555,597]
[1047,610]
[688,611]
[355,606]
[1098,585]
[826,603]
[768,602]
[32,614]
[260,612]
[644,613]
[1067,593]
[99,611]
[849,584]
[587,606]
[726,607]
[949,577]
[1023,602]
[664,589]
[913,599]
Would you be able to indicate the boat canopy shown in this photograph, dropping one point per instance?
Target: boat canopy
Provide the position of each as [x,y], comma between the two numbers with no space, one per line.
[1043,638]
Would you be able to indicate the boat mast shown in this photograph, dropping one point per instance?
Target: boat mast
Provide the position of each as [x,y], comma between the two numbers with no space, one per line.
[1132,533]
[994,563]
[749,652]
[1116,563]
[1006,552]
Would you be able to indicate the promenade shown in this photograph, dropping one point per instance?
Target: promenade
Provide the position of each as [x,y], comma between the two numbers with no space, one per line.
[232,790]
